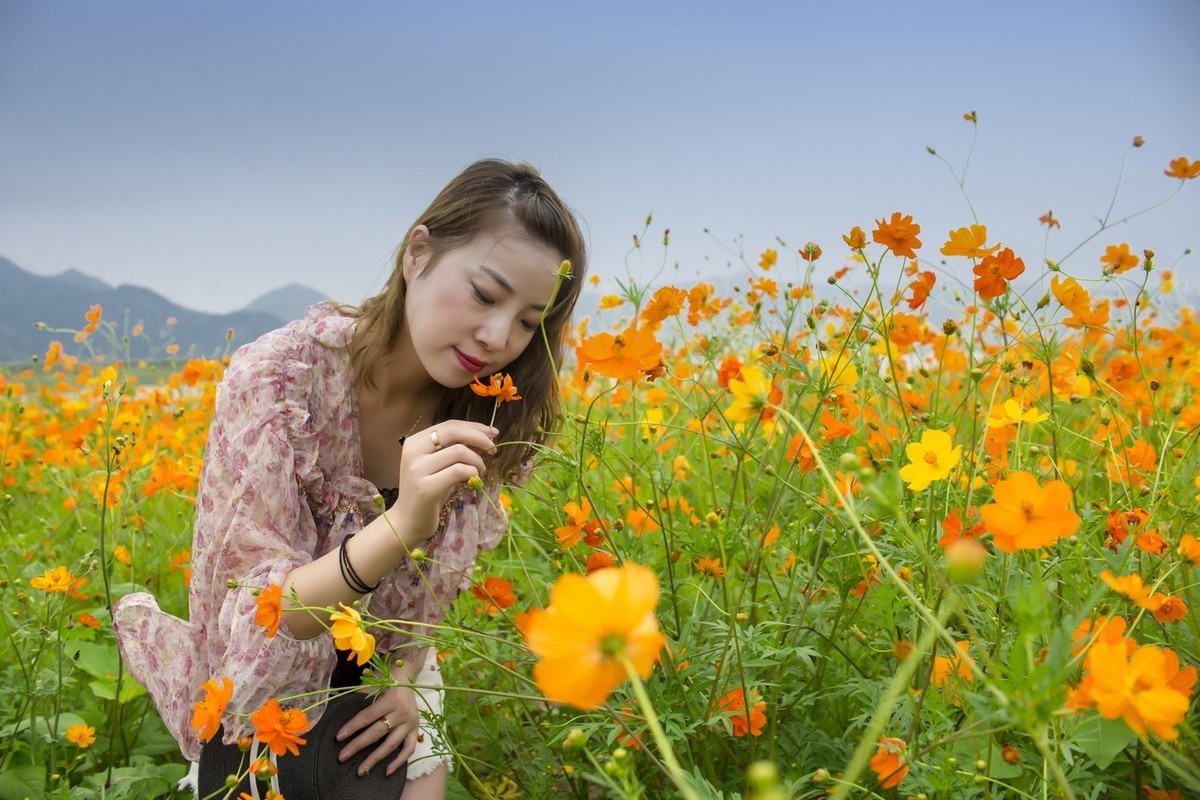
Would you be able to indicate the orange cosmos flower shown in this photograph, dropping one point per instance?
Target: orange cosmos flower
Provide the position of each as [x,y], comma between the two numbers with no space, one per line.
[280,728]
[953,529]
[969,242]
[1133,589]
[769,257]
[1118,259]
[496,592]
[348,632]
[1183,169]
[1048,220]
[898,235]
[1162,794]
[53,353]
[1189,548]
[1172,609]
[88,620]
[957,665]
[743,722]
[1025,516]
[834,428]
[180,562]
[206,717]
[889,763]
[709,566]
[81,735]
[500,386]
[1146,688]
[60,581]
[641,522]
[577,523]
[1130,465]
[1071,295]
[599,560]
[921,288]
[590,625]
[856,239]
[994,272]
[626,356]
[666,302]
[1103,629]
[1122,523]
[269,611]
[810,251]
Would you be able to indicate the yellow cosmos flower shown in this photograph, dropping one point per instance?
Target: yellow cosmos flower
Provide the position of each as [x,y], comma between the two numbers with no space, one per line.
[348,634]
[590,624]
[969,242]
[751,392]
[1011,413]
[930,459]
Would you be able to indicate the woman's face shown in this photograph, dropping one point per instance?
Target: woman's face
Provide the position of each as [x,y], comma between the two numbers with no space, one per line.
[477,308]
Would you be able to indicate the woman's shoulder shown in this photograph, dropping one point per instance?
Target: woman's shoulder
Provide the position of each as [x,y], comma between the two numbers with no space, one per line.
[324,325]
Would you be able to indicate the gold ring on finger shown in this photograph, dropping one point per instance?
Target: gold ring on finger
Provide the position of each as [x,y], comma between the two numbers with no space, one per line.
[437,443]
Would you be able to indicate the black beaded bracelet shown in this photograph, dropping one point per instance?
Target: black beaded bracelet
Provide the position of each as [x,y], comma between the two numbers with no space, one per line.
[356,584]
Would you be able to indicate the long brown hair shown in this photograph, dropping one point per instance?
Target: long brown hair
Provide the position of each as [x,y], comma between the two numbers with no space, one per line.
[482,197]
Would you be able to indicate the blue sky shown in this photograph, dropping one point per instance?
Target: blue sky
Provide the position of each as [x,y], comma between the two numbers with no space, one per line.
[213,151]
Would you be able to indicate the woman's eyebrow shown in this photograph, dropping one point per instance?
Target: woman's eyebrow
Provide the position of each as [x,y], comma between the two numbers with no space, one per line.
[505,285]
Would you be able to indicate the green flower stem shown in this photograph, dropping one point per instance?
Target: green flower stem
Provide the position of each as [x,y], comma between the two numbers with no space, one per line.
[660,738]
[895,689]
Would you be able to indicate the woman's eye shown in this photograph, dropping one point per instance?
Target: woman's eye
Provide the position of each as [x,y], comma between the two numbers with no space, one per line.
[529,326]
[481,297]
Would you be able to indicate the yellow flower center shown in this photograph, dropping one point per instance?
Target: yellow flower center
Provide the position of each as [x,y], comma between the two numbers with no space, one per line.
[931,459]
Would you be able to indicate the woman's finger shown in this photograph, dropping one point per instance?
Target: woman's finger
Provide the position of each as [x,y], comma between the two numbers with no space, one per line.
[410,746]
[388,745]
[454,454]
[475,435]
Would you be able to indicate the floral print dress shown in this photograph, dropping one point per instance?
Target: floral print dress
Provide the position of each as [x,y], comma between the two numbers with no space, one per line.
[282,485]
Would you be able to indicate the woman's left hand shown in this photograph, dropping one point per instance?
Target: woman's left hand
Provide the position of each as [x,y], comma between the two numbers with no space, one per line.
[398,706]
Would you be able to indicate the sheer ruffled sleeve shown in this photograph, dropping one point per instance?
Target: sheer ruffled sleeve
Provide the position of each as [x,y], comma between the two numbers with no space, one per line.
[254,526]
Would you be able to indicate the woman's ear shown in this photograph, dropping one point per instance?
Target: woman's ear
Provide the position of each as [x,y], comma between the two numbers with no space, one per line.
[416,253]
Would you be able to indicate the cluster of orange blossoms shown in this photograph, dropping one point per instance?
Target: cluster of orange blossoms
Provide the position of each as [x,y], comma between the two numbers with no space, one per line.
[276,727]
[1142,685]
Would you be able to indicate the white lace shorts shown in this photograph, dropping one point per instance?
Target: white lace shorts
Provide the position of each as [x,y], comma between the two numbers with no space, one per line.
[431,750]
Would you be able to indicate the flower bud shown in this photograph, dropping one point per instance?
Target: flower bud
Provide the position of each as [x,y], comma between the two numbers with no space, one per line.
[965,560]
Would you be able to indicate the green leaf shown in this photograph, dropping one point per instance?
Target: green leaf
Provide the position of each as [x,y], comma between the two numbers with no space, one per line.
[1103,739]
[96,659]
[106,689]
[18,783]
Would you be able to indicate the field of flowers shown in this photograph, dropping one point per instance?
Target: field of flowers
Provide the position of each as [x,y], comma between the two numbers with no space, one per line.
[931,537]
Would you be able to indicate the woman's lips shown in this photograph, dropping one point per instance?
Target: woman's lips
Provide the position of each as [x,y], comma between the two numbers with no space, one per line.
[468,363]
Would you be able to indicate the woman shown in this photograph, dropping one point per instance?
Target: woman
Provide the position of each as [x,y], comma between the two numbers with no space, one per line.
[312,422]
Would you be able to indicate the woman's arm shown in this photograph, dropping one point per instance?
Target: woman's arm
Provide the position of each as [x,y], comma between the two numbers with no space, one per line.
[427,475]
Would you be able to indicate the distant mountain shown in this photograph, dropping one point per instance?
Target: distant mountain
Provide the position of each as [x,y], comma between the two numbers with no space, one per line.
[287,302]
[62,301]
[77,278]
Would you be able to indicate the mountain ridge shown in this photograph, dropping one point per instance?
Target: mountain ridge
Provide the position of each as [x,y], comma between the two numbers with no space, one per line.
[36,310]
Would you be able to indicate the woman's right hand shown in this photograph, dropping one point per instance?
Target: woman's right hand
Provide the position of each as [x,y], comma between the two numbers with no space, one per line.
[433,463]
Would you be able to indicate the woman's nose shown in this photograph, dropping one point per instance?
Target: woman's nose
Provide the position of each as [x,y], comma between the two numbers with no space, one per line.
[492,333]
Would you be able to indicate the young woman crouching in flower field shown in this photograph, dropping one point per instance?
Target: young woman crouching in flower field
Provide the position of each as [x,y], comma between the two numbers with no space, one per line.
[288,530]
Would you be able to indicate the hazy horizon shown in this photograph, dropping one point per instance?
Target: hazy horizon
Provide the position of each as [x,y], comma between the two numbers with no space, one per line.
[216,152]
